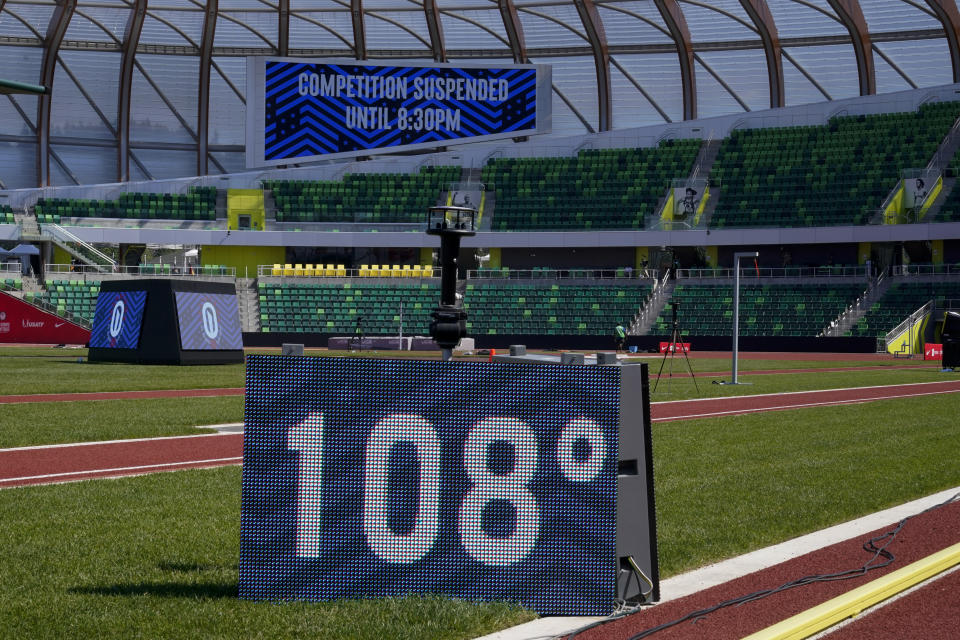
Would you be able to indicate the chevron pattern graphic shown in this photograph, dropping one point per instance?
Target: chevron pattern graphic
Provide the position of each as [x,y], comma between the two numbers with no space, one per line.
[117,319]
[208,321]
[316,109]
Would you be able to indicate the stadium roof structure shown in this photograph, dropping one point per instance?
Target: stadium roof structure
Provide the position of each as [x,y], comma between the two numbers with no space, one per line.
[150,89]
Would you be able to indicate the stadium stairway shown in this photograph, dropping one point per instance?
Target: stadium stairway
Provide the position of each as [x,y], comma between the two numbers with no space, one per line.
[248,304]
[852,315]
[949,184]
[647,316]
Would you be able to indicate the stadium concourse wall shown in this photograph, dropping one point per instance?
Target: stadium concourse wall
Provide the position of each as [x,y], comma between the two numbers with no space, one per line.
[644,344]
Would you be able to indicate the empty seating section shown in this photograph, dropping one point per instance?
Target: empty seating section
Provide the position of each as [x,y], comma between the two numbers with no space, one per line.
[550,309]
[597,189]
[199,203]
[76,297]
[950,211]
[334,308]
[835,174]
[11,284]
[765,310]
[362,197]
[899,301]
[363,271]
[6,214]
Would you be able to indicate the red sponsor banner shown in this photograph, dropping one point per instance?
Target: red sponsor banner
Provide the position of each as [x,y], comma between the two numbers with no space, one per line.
[23,323]
[683,347]
[933,351]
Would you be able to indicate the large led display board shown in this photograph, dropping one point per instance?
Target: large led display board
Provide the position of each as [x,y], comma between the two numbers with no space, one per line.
[117,319]
[166,321]
[485,481]
[208,320]
[307,109]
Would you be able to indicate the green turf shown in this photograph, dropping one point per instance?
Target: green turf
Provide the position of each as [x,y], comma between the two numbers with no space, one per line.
[67,371]
[156,557]
[725,486]
[60,422]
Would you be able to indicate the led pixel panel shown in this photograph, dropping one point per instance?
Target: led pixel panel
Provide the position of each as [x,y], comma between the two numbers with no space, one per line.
[117,319]
[208,320]
[306,109]
[483,481]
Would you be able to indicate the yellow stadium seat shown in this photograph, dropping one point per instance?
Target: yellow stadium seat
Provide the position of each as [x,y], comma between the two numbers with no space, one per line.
[341,271]
[309,270]
[298,270]
[417,271]
[277,270]
[395,271]
[288,270]
[374,271]
[330,271]
[406,271]
[428,271]
[364,271]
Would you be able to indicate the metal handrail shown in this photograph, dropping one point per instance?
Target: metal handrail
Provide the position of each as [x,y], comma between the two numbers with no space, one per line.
[270,271]
[97,256]
[925,269]
[562,274]
[720,273]
[176,271]
[906,324]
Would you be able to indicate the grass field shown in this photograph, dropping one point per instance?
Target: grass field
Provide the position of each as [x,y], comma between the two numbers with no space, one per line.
[156,556]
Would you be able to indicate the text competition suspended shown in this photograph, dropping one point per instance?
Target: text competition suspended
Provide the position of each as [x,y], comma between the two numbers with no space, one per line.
[370,87]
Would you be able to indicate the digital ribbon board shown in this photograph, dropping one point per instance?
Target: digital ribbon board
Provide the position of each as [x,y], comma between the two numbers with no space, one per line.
[304,109]
[484,481]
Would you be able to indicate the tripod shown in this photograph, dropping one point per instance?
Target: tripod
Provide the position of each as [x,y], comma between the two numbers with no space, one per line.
[675,341]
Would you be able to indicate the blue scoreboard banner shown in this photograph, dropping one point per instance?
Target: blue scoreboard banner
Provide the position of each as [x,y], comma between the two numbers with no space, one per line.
[117,319]
[483,481]
[305,109]
[208,320]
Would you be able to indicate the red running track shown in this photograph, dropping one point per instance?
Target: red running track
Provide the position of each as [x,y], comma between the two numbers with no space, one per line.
[66,463]
[122,395]
[920,537]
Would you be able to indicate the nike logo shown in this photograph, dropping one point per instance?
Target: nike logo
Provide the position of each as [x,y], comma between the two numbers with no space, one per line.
[57,325]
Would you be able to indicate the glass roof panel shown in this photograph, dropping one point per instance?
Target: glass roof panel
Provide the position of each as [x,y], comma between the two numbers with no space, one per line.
[168,164]
[72,114]
[227,111]
[459,32]
[231,34]
[710,25]
[90,165]
[307,35]
[228,5]
[795,20]
[177,4]
[113,18]
[834,67]
[36,15]
[387,5]
[630,107]
[82,28]
[21,64]
[576,78]
[395,29]
[190,23]
[624,29]
[232,161]
[927,62]
[897,16]
[540,31]
[888,78]
[744,71]
[659,75]
[18,164]
[178,78]
[797,88]
[712,98]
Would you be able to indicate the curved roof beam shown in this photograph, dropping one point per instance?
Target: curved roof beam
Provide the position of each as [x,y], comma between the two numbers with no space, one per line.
[947,13]
[477,24]
[329,30]
[593,26]
[851,15]
[806,74]
[677,24]
[131,37]
[400,26]
[57,28]
[359,30]
[639,87]
[759,12]
[895,67]
[435,29]
[203,95]
[283,28]
[511,22]
[244,25]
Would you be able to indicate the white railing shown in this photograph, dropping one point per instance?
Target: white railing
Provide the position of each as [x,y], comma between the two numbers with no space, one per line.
[102,260]
[907,326]
[625,273]
[340,271]
[719,273]
[81,272]
[926,270]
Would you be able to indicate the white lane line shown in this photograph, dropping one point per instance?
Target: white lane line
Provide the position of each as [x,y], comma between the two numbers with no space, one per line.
[792,393]
[714,414]
[89,444]
[116,469]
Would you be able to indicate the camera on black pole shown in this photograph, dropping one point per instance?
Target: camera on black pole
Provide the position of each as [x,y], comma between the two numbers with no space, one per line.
[449,322]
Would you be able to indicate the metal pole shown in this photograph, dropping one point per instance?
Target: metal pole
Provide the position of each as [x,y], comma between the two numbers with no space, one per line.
[400,346]
[736,308]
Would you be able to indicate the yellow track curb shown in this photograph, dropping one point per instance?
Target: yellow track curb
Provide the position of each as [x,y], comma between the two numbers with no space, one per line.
[811,621]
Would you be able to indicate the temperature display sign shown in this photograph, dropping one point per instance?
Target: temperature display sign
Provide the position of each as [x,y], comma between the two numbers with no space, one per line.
[484,481]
